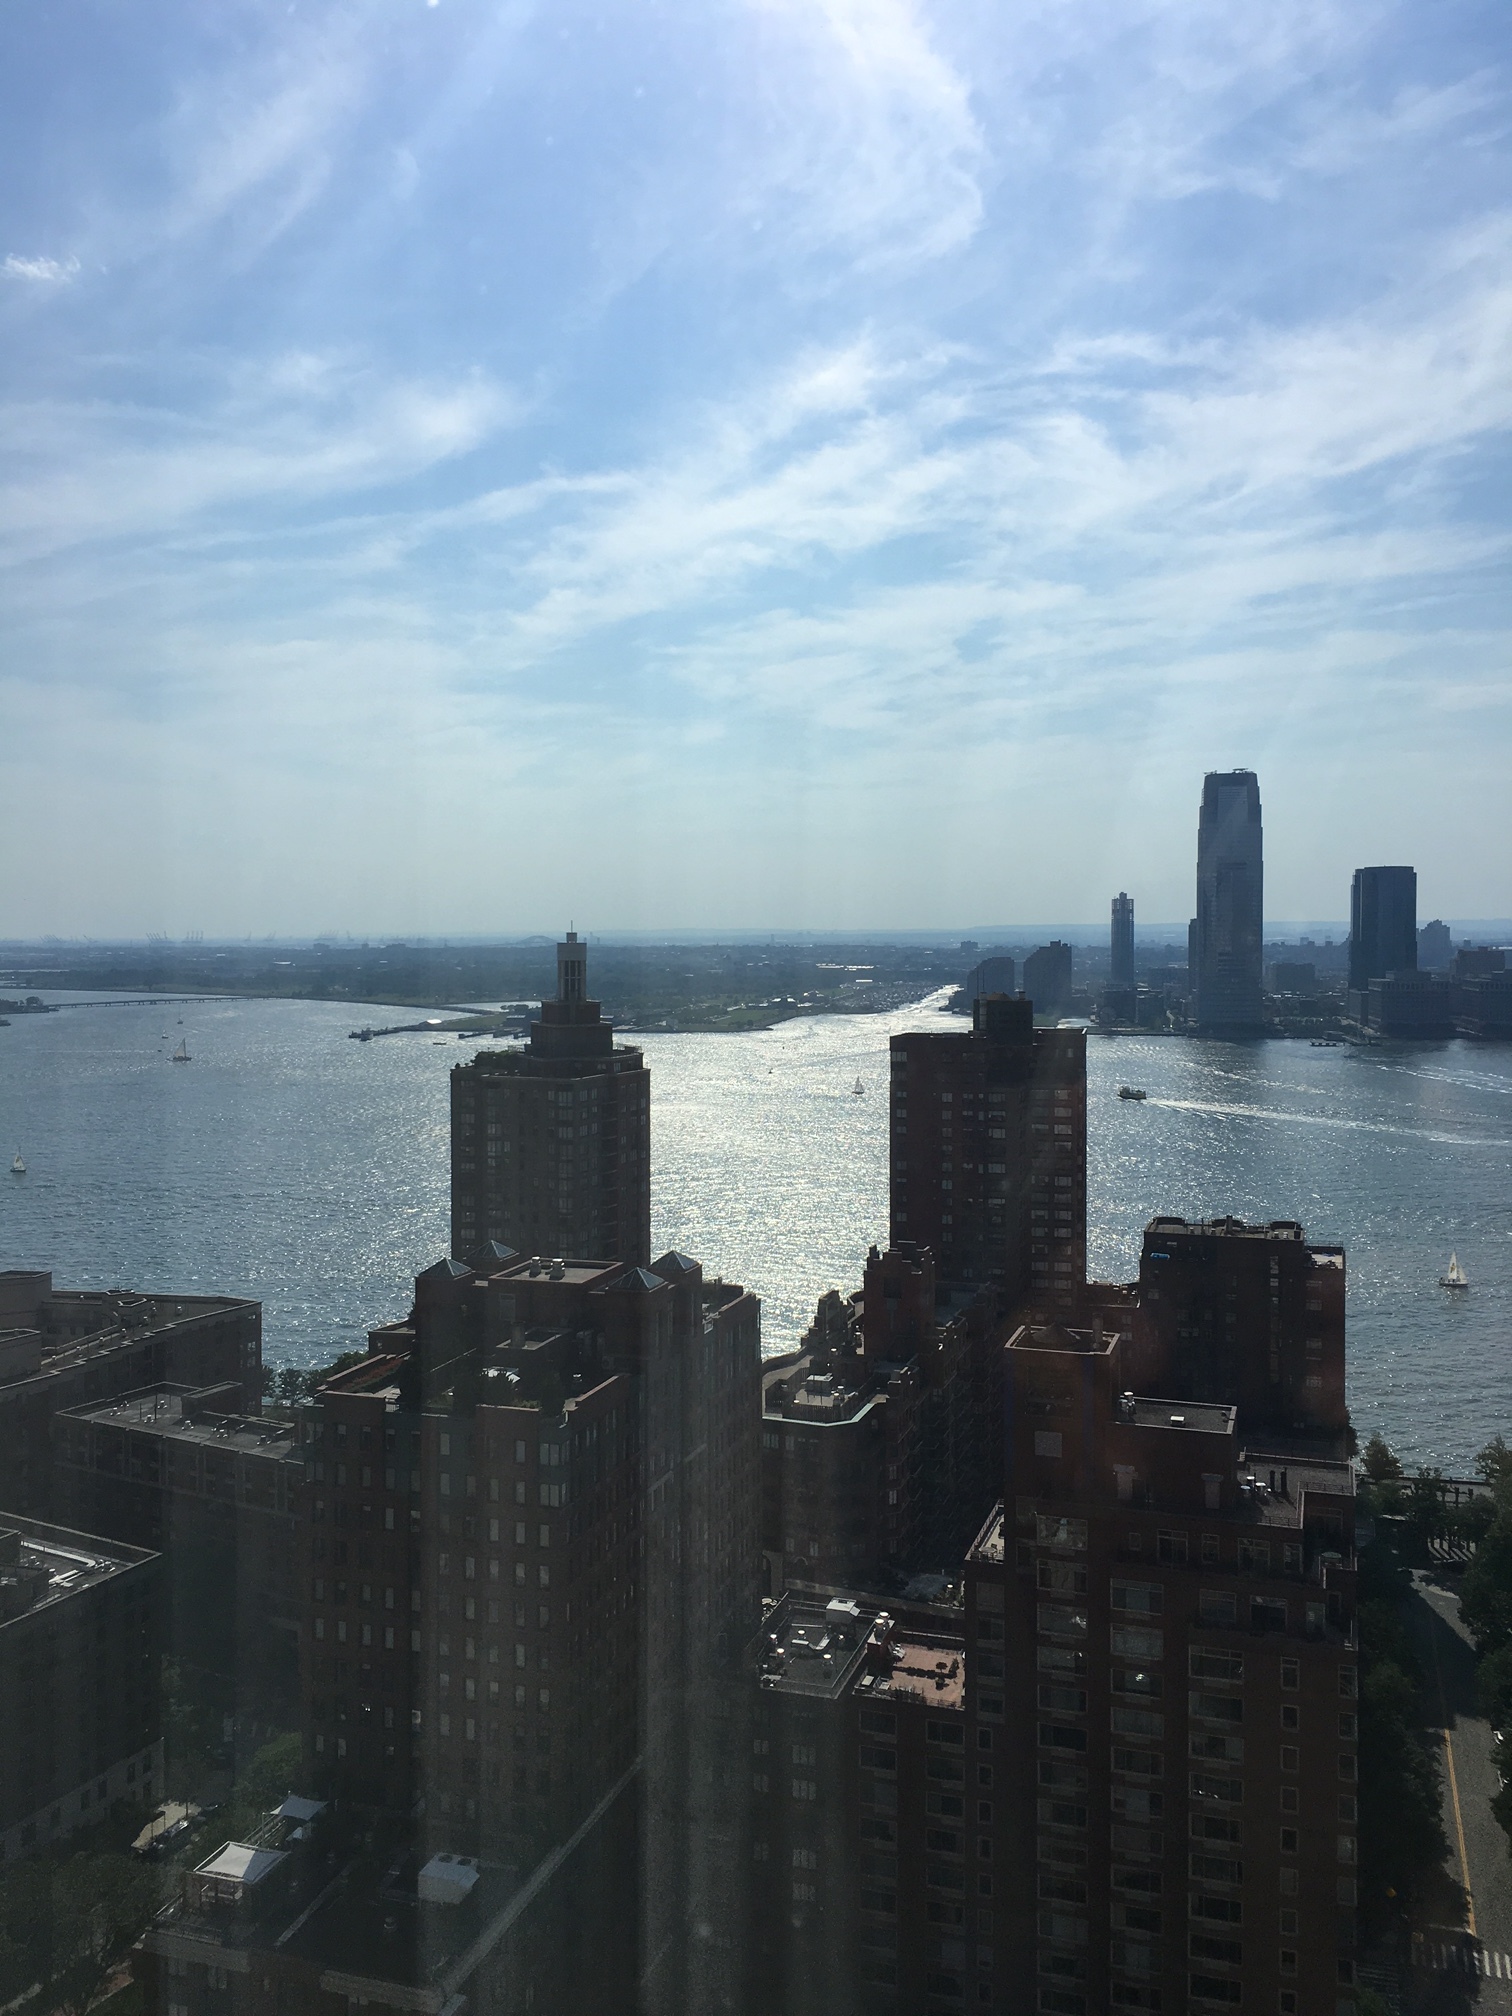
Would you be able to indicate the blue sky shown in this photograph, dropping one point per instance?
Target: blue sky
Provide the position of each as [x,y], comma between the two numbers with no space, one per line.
[746,462]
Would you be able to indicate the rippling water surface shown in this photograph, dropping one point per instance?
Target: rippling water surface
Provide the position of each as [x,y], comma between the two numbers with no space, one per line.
[288,1163]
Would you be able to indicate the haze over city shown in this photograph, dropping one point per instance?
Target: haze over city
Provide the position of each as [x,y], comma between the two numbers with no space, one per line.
[792,466]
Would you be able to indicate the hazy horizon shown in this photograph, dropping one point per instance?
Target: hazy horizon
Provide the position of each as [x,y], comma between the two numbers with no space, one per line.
[944,937]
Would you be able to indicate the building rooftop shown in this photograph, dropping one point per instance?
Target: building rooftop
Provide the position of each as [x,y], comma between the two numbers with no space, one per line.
[41,1565]
[178,1411]
[1274,1485]
[1201,1417]
[238,1862]
[1224,1228]
[990,1543]
[809,1646]
[820,1389]
[933,1669]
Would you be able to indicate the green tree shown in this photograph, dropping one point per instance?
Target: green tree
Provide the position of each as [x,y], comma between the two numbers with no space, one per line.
[1486,1590]
[1380,1463]
[292,1383]
[1493,1687]
[1494,1462]
[99,1905]
[275,1770]
[1401,1839]
[65,1922]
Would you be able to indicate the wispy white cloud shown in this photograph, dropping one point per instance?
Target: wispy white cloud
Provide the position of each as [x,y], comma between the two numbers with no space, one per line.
[40,270]
[1008,389]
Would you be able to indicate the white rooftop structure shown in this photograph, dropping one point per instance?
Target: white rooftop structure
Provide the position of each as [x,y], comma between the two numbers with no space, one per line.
[447,1879]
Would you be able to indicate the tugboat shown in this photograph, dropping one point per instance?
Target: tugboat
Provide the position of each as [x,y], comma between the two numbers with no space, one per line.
[1455,1279]
[1131,1092]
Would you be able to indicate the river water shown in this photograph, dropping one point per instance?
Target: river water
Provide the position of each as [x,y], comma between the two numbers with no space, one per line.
[288,1163]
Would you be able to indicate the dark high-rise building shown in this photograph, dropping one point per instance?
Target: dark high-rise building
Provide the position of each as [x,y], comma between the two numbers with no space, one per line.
[1121,945]
[1165,1607]
[1230,904]
[989,1153]
[1047,977]
[864,1885]
[551,1144]
[880,1443]
[1250,1315]
[1382,924]
[992,975]
[532,1563]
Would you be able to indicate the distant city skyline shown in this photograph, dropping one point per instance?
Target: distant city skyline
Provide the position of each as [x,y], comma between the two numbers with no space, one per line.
[1088,934]
[864,459]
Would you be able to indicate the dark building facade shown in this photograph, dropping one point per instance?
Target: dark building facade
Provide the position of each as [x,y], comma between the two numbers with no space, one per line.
[1168,1597]
[1407,1004]
[532,1566]
[1246,1315]
[880,1449]
[216,1494]
[1435,946]
[551,1144]
[1121,942]
[64,1348]
[992,975]
[1382,924]
[988,1138]
[80,1689]
[865,1879]
[1228,935]
[1047,977]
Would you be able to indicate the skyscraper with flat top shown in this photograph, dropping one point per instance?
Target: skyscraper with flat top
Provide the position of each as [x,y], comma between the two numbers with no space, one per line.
[1230,903]
[1382,924]
[1121,948]
[551,1144]
[989,1152]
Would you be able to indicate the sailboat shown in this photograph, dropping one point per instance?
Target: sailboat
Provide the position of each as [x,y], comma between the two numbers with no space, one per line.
[1456,1277]
[181,1055]
[18,1167]
[857,1089]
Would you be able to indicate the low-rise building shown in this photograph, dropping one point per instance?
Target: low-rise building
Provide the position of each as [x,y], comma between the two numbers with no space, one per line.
[80,1697]
[66,1348]
[216,1493]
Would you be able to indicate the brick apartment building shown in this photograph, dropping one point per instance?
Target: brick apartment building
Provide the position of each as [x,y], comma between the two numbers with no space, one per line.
[550,1144]
[988,1149]
[1167,1603]
[80,1688]
[216,1494]
[63,1348]
[531,1561]
[879,1443]
[864,1882]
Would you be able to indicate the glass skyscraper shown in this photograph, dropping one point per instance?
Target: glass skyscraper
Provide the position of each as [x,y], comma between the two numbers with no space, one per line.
[1230,902]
